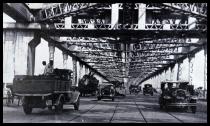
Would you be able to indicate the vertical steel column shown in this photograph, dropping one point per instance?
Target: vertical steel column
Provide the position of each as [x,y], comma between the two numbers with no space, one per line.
[125,79]
[80,70]
[68,22]
[114,15]
[191,22]
[190,68]
[74,71]
[86,70]
[141,16]
[65,58]
[171,73]
[205,72]
[179,71]
[51,51]
[9,56]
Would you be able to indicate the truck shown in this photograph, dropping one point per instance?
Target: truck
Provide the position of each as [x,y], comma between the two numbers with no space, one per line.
[52,91]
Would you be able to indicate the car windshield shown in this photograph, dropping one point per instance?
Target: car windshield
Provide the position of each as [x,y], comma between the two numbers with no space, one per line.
[104,85]
[175,85]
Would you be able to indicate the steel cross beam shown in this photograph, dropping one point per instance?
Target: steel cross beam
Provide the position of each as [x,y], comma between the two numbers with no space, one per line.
[198,10]
[49,29]
[64,10]
[181,58]
[18,11]
[62,47]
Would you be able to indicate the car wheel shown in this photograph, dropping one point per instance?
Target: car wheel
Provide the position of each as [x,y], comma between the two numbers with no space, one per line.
[49,108]
[59,107]
[112,99]
[99,98]
[161,106]
[76,105]
[151,94]
[27,109]
[193,108]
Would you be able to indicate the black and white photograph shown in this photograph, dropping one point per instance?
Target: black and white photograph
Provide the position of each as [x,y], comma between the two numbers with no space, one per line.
[105,62]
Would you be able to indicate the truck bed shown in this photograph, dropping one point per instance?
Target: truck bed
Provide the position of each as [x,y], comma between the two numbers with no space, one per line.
[35,85]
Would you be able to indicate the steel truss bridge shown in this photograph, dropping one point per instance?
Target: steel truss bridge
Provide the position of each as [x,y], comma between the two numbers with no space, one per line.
[119,48]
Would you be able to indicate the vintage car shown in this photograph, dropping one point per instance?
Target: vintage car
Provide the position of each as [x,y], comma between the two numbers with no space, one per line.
[134,89]
[178,94]
[52,91]
[120,91]
[148,89]
[106,90]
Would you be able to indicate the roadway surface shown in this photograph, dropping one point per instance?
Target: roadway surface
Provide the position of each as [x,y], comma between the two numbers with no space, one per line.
[131,109]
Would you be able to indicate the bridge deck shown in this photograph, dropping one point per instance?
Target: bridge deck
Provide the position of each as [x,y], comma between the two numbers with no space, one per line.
[132,109]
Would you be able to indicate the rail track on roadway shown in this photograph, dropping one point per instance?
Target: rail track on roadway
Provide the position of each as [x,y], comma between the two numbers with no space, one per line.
[140,111]
[174,117]
[114,112]
[82,113]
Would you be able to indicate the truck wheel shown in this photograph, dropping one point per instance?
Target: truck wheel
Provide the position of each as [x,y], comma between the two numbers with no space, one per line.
[49,108]
[161,106]
[193,108]
[26,105]
[27,109]
[99,98]
[59,107]
[112,99]
[76,105]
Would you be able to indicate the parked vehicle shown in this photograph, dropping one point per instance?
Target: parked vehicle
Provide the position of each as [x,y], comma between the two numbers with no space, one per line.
[106,91]
[148,89]
[178,94]
[52,91]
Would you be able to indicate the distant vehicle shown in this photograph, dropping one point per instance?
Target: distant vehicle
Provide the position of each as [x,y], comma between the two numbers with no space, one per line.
[88,85]
[134,89]
[178,94]
[106,91]
[120,91]
[148,89]
[50,91]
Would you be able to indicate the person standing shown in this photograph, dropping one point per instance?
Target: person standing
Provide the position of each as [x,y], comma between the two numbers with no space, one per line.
[49,68]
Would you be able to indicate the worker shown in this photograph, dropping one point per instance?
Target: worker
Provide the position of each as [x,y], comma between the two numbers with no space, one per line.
[49,68]
[44,65]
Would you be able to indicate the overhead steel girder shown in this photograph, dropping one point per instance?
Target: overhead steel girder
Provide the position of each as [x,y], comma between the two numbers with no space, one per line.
[190,9]
[18,11]
[193,51]
[64,10]
[63,48]
[48,29]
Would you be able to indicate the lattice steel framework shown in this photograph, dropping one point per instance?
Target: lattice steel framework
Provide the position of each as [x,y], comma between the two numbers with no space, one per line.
[145,56]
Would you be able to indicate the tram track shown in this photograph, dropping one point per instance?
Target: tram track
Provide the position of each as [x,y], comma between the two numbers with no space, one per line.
[157,111]
[140,112]
[82,113]
[114,112]
[174,117]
